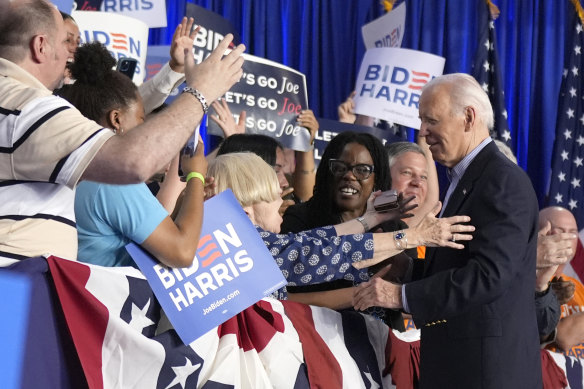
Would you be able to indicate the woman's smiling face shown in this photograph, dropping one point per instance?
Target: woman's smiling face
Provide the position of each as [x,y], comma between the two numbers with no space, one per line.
[350,193]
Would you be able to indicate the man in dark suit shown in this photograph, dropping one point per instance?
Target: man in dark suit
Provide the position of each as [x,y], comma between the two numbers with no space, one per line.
[475,306]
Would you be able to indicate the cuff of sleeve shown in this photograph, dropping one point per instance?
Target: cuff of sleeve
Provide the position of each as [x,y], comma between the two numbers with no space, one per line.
[167,79]
[406,307]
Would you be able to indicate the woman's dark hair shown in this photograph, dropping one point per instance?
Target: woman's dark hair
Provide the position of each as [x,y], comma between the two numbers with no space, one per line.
[322,200]
[261,145]
[98,88]
[66,16]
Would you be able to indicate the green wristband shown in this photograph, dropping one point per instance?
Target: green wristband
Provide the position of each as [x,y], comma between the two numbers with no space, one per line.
[197,175]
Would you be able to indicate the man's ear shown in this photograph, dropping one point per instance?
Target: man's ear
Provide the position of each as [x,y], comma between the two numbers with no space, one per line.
[38,48]
[469,118]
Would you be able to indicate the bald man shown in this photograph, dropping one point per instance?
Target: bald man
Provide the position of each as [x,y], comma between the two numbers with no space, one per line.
[570,330]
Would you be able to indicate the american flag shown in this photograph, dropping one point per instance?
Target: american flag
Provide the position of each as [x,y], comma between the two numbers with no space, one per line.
[568,156]
[486,71]
[567,176]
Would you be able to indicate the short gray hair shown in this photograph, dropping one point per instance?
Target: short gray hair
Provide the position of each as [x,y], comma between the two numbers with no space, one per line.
[396,149]
[20,21]
[465,91]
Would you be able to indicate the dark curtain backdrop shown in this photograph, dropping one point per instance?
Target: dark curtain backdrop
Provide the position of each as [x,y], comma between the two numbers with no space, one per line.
[322,39]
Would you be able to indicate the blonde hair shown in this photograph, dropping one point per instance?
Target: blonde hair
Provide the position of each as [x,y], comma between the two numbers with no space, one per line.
[250,178]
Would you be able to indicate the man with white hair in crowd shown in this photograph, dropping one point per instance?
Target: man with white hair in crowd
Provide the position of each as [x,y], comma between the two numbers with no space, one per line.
[47,146]
[474,306]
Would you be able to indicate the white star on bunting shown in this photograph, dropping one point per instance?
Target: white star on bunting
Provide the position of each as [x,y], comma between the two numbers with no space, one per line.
[565,155]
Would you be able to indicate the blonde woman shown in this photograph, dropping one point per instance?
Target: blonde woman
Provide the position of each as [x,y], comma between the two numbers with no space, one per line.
[332,252]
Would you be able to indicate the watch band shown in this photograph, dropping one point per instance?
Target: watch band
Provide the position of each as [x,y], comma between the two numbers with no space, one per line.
[361,220]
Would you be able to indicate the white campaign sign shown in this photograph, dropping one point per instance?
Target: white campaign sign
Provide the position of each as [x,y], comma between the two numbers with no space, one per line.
[151,12]
[390,82]
[122,35]
[386,31]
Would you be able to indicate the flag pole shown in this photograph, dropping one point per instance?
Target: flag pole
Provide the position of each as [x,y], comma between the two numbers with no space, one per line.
[579,10]
[387,5]
[493,9]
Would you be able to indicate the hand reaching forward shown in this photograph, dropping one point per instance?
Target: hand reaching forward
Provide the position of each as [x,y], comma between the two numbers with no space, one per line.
[377,293]
[375,218]
[217,73]
[444,232]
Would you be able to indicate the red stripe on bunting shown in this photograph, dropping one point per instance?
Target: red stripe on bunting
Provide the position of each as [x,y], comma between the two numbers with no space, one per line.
[577,262]
[86,316]
[323,369]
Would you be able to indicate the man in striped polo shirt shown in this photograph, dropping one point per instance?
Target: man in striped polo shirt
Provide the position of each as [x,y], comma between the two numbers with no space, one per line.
[47,146]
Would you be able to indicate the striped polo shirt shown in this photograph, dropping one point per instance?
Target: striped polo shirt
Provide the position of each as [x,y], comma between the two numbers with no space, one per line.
[45,145]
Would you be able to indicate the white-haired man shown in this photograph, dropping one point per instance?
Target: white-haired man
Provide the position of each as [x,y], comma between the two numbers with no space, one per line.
[474,306]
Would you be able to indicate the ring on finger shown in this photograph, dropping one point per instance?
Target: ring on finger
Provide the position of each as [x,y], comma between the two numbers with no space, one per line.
[453,238]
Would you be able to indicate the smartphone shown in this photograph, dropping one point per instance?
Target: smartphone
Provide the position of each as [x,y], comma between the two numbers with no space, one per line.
[127,66]
[189,149]
[386,201]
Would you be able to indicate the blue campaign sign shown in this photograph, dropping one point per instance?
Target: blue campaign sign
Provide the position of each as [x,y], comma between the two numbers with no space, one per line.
[328,129]
[232,270]
[13,330]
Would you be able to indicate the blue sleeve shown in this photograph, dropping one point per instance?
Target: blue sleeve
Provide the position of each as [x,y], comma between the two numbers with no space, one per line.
[131,210]
[319,255]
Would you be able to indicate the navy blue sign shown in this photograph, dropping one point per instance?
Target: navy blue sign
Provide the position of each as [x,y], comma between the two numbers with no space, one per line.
[213,29]
[272,96]
[329,128]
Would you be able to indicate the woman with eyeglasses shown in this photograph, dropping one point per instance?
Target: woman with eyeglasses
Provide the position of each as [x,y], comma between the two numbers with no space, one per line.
[353,166]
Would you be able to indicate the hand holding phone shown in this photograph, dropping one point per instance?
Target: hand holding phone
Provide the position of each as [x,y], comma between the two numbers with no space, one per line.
[127,66]
[386,201]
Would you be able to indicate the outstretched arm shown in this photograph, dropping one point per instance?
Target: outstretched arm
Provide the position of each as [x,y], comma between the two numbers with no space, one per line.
[136,155]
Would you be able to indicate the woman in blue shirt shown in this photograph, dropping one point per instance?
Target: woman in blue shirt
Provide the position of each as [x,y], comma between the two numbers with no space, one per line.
[111,216]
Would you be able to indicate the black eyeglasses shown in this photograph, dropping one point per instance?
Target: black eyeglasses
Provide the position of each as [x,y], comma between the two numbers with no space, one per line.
[361,171]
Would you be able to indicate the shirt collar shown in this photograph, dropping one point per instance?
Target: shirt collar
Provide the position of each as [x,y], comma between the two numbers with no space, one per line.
[12,70]
[457,171]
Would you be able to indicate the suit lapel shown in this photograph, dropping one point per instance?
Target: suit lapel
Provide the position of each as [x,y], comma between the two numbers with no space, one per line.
[464,189]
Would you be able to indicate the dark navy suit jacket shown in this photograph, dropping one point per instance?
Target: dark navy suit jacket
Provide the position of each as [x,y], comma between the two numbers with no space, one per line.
[475,306]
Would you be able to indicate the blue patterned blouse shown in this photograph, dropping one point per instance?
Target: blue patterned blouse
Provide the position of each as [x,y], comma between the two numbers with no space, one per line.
[318,255]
